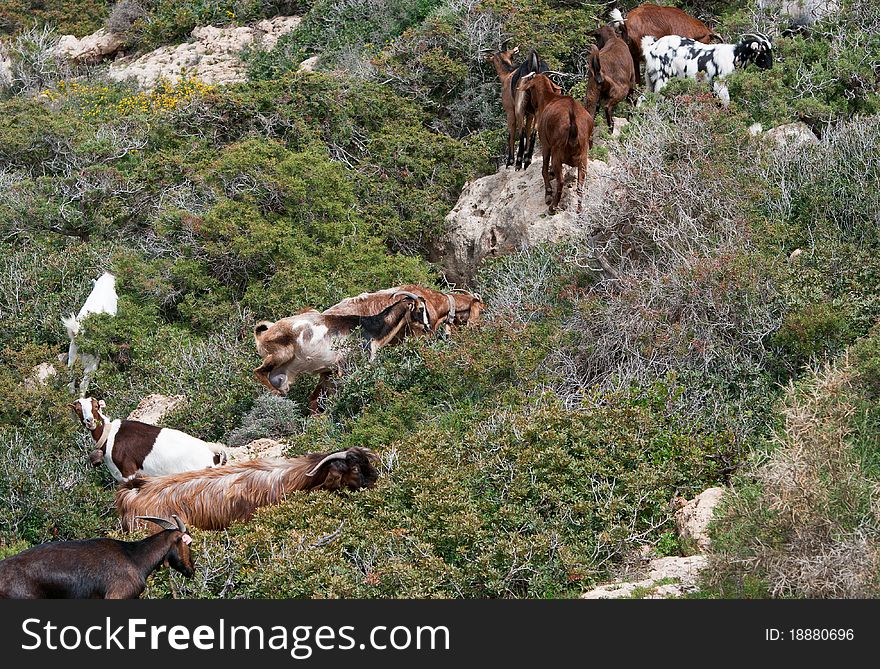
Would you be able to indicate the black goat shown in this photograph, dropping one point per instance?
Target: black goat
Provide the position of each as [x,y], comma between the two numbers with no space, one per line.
[95,568]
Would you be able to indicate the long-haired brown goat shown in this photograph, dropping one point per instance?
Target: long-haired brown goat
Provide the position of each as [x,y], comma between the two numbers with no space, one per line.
[566,132]
[213,499]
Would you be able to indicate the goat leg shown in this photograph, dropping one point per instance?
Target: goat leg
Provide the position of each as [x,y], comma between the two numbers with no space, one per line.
[545,172]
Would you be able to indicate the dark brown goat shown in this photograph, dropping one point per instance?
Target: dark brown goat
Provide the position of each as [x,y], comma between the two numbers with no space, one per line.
[519,109]
[95,568]
[658,22]
[566,131]
[213,499]
[613,76]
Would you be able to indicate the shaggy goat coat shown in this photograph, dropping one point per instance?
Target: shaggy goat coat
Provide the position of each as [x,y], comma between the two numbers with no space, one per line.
[213,499]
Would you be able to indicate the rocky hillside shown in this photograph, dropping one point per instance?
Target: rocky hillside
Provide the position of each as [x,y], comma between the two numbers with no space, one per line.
[684,374]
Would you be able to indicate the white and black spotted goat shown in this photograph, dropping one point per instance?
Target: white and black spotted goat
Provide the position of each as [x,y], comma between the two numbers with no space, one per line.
[673,57]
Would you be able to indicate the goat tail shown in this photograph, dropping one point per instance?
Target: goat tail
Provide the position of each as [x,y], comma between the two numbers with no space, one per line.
[616,17]
[572,127]
[71,324]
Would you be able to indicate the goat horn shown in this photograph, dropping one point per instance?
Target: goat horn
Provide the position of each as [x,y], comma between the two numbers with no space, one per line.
[408,294]
[341,455]
[164,523]
[180,524]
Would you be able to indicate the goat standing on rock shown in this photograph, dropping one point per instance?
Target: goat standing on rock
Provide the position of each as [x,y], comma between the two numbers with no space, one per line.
[96,568]
[519,108]
[566,131]
[130,448]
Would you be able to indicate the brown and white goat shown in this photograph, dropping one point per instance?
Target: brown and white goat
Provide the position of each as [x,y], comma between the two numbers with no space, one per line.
[213,499]
[566,131]
[130,448]
[96,568]
[657,21]
[518,107]
[310,342]
[612,75]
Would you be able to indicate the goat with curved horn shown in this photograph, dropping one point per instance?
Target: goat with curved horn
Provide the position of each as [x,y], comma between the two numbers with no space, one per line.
[341,455]
[164,523]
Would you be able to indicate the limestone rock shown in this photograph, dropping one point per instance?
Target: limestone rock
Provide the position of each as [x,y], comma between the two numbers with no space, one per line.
[504,212]
[801,12]
[693,518]
[213,56]
[259,448]
[791,134]
[5,66]
[619,124]
[667,577]
[153,408]
[90,49]
[308,65]
[40,376]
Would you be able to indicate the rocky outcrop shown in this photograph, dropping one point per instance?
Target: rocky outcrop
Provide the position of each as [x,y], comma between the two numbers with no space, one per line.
[667,577]
[791,134]
[259,448]
[801,12]
[40,376]
[153,408]
[213,56]
[504,212]
[693,517]
[90,49]
[308,65]
[5,66]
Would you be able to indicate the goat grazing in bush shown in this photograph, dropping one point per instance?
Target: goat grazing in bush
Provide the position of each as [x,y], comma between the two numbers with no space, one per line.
[310,342]
[656,21]
[674,56]
[432,309]
[96,568]
[213,499]
[519,109]
[566,131]
[130,448]
[102,300]
[612,75]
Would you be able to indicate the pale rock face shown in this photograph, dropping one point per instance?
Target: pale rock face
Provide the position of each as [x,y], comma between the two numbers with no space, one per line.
[153,408]
[5,66]
[802,12]
[40,376]
[683,571]
[504,212]
[791,134]
[308,65]
[693,518]
[259,448]
[213,57]
[90,49]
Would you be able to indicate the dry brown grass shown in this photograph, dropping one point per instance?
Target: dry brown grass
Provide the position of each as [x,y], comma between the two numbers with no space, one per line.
[814,530]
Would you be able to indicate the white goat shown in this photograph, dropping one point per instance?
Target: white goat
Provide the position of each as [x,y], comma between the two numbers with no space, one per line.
[674,56]
[102,300]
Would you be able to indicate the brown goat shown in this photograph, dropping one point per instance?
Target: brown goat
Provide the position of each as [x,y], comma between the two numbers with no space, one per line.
[658,22]
[566,131]
[613,76]
[213,499]
[504,67]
